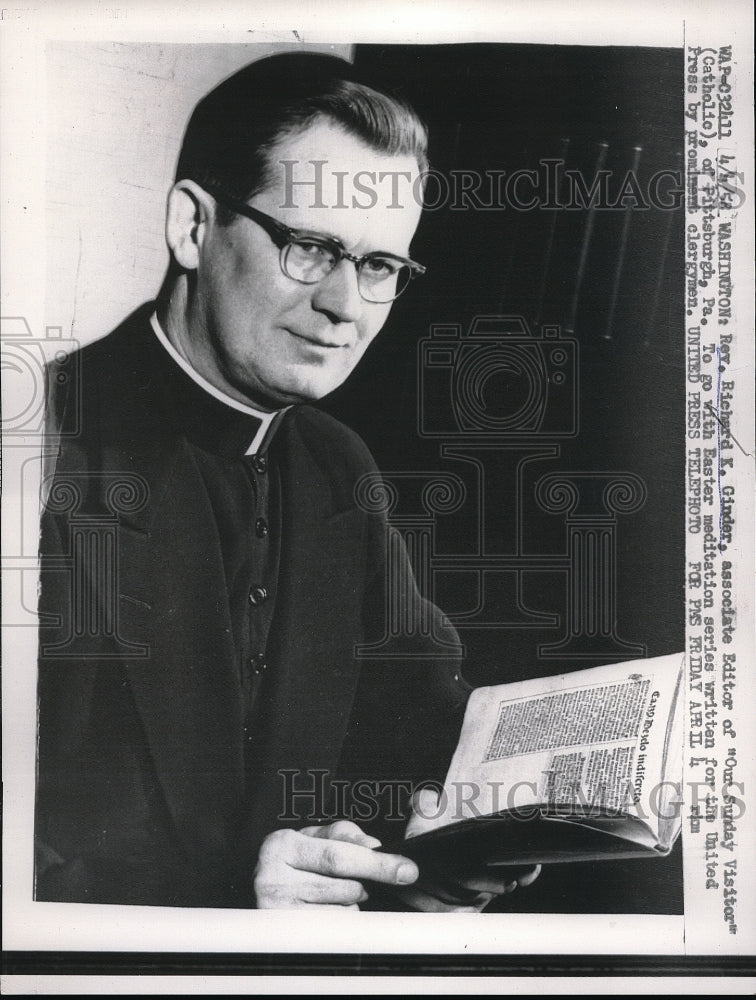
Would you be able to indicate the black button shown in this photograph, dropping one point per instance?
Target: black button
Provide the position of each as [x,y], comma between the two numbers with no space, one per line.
[260,464]
[261,527]
[258,595]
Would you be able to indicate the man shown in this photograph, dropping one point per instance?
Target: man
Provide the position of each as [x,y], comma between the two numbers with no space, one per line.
[185,736]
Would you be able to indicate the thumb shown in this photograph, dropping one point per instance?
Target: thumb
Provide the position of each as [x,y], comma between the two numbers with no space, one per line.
[427,810]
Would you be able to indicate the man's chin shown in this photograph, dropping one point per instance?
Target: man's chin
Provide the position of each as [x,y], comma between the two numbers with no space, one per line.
[290,394]
[309,388]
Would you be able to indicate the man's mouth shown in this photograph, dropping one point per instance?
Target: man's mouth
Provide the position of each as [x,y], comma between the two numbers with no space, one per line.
[316,341]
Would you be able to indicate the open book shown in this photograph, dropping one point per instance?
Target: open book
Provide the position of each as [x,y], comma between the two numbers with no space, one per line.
[581,766]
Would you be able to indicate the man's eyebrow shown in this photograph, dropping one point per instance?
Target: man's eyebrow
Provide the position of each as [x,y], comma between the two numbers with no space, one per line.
[328,238]
[317,234]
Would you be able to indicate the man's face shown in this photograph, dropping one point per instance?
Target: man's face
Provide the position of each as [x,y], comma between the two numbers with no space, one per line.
[274,340]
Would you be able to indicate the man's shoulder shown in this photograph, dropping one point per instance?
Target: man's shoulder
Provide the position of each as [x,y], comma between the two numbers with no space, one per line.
[105,379]
[325,467]
[100,372]
[121,348]
[330,442]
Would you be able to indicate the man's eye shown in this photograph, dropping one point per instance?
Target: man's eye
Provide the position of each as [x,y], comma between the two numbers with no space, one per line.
[381,267]
[313,250]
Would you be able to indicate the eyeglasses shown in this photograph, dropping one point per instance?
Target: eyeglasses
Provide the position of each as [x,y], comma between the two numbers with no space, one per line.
[309,257]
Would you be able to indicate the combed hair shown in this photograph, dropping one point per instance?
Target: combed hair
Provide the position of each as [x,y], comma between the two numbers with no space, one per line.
[233,129]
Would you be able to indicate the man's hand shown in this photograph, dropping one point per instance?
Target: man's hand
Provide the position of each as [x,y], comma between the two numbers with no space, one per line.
[324,866]
[469,895]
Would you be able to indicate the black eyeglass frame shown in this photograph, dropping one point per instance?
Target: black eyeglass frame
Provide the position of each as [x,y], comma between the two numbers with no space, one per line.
[283,236]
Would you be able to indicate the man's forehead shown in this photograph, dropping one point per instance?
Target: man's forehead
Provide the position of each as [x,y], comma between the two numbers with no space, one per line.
[325,180]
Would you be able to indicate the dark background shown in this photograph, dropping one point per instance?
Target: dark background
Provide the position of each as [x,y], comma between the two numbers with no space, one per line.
[507,107]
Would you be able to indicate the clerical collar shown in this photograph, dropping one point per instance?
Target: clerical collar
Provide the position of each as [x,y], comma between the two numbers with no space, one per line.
[263,426]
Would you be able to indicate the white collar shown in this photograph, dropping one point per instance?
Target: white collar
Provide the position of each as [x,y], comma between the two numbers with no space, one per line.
[266,419]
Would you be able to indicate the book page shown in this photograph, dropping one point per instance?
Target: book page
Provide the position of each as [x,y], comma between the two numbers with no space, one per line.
[604,739]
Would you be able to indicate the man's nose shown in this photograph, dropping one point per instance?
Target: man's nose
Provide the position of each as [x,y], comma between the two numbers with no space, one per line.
[338,294]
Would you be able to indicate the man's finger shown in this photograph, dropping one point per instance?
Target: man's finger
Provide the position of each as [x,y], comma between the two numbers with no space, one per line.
[496,885]
[529,877]
[320,890]
[434,902]
[280,885]
[425,811]
[338,858]
[343,830]
[459,894]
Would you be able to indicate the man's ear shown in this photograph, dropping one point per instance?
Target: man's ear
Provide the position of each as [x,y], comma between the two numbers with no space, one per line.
[188,211]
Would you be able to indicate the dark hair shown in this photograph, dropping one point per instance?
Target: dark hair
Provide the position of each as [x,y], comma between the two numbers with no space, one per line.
[233,128]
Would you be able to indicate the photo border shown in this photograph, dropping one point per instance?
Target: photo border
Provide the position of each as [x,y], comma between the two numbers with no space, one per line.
[22,38]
